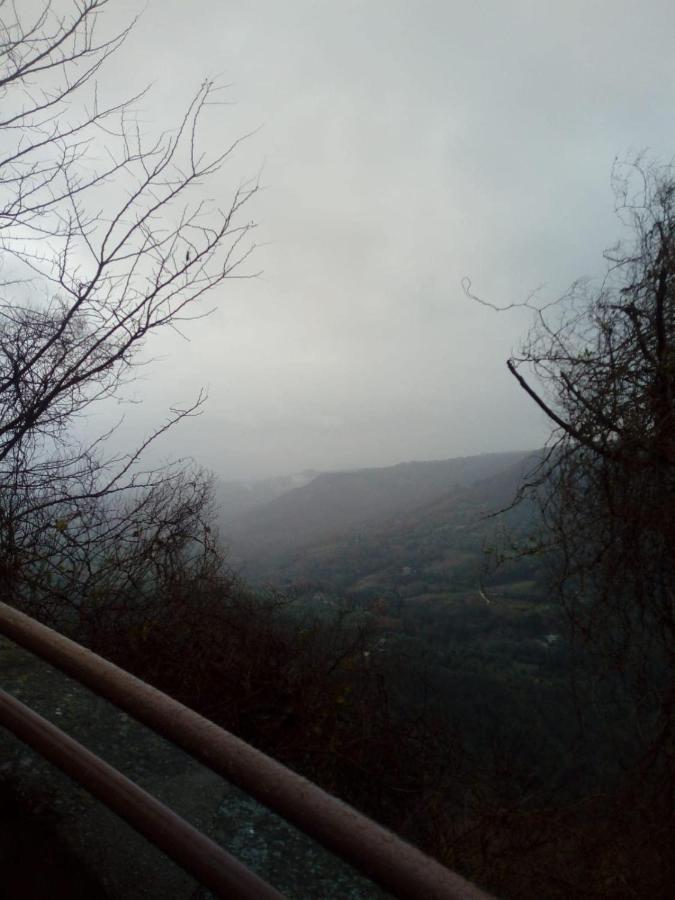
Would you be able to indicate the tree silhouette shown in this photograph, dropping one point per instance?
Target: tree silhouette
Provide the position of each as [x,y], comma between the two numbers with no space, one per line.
[105,238]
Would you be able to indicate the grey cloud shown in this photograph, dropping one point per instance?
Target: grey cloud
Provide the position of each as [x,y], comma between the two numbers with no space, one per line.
[403,146]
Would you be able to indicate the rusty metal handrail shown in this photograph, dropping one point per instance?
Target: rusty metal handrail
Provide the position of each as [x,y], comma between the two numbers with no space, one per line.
[210,864]
[387,860]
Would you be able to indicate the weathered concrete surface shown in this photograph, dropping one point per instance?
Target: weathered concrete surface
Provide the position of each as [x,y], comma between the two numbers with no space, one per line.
[125,864]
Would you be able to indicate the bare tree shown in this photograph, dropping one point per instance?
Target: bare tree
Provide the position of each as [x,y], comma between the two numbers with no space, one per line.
[105,238]
[600,363]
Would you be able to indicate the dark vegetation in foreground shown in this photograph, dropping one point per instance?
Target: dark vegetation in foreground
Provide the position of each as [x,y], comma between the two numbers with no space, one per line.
[455,712]
[479,766]
[440,696]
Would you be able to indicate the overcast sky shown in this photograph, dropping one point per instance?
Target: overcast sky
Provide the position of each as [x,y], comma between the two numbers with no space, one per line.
[402,147]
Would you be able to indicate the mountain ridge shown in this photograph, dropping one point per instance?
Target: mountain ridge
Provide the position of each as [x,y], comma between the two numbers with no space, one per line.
[333,502]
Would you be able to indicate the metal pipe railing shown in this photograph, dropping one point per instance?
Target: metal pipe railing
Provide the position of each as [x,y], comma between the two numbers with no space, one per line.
[387,860]
[210,864]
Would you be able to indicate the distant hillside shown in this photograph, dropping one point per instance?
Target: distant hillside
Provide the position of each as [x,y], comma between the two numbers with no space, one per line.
[432,548]
[332,503]
[234,498]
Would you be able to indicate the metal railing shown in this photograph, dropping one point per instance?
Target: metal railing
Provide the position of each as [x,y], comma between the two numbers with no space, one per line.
[210,864]
[383,857]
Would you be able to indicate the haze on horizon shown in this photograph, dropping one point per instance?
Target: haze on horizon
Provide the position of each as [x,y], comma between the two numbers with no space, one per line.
[401,148]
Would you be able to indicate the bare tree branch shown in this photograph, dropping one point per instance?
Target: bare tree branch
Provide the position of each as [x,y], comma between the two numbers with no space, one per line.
[98,250]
